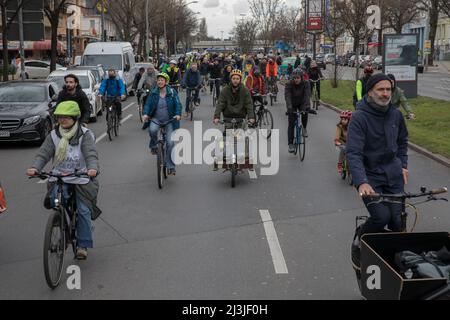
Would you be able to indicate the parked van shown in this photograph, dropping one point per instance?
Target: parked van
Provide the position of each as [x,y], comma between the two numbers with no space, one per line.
[117,55]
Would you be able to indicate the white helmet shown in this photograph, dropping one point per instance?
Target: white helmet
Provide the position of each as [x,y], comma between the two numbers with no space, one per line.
[172,61]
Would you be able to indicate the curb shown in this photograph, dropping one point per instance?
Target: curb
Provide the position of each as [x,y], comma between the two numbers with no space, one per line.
[436,157]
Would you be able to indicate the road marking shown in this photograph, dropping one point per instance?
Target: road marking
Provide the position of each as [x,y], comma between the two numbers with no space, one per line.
[102,136]
[128,106]
[252,174]
[275,249]
[126,118]
[42,181]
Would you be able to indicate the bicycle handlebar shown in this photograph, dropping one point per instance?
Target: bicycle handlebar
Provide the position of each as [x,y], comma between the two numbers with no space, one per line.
[45,175]
[406,195]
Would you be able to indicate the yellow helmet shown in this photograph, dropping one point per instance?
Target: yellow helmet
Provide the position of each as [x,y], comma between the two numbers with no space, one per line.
[236,72]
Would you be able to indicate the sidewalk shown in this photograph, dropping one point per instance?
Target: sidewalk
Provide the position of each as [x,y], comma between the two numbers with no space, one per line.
[440,67]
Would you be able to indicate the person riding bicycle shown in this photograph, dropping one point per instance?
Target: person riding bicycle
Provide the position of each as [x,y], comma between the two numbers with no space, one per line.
[2,199]
[272,74]
[377,153]
[398,98]
[71,147]
[256,85]
[315,74]
[297,95]
[227,75]
[204,71]
[136,81]
[113,87]
[174,74]
[361,85]
[215,72]
[148,81]
[340,140]
[72,91]
[192,81]
[163,105]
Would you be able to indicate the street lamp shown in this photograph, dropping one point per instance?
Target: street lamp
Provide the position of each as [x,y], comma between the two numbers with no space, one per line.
[175,26]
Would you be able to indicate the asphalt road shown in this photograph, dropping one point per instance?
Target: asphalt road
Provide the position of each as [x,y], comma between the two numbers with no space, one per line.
[198,238]
[431,84]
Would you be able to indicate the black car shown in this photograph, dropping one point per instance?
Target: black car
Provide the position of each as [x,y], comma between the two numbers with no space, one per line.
[26,109]
[320,60]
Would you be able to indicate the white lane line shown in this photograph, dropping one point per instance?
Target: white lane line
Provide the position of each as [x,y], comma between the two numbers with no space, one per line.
[252,174]
[275,249]
[128,106]
[126,118]
[102,136]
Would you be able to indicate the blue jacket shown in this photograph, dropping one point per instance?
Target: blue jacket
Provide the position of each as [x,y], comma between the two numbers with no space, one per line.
[173,103]
[377,145]
[191,79]
[112,87]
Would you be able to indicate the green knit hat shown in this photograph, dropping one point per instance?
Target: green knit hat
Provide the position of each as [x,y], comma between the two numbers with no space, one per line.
[68,108]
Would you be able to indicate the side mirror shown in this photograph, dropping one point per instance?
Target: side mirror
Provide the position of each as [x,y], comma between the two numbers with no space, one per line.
[55,98]
[127,67]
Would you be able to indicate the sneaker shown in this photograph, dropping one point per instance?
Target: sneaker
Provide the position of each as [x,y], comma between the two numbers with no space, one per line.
[154,151]
[340,168]
[291,148]
[305,133]
[81,254]
[171,172]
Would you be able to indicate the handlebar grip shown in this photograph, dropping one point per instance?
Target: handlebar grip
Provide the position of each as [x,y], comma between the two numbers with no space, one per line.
[439,190]
[375,196]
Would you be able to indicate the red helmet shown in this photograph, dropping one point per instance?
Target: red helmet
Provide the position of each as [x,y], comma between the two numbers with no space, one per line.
[368,69]
[347,114]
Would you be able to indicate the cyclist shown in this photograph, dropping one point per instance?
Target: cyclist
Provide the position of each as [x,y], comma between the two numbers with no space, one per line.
[227,75]
[315,74]
[72,148]
[113,87]
[204,71]
[148,80]
[215,72]
[307,63]
[72,91]
[297,95]
[398,98]
[340,140]
[279,62]
[271,74]
[255,84]
[162,105]
[192,79]
[2,200]
[377,153]
[249,63]
[136,81]
[174,74]
[361,84]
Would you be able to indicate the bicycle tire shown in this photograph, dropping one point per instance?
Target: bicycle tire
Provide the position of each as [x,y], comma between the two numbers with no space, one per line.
[296,140]
[141,112]
[266,115]
[233,175]
[191,109]
[116,124]
[302,147]
[52,276]
[160,166]
[109,124]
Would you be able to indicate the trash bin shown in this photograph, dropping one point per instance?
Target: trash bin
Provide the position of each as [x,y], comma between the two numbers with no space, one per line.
[380,277]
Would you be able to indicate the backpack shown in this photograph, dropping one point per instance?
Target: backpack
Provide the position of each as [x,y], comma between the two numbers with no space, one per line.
[279,61]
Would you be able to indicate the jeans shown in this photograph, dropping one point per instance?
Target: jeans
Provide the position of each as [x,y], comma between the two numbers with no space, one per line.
[317,85]
[188,94]
[292,119]
[153,131]
[217,84]
[84,232]
[382,214]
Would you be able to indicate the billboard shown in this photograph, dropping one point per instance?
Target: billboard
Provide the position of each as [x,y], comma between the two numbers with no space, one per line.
[33,20]
[314,15]
[401,59]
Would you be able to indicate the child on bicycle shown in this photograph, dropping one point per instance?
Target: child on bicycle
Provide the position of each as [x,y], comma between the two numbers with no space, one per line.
[340,139]
[72,149]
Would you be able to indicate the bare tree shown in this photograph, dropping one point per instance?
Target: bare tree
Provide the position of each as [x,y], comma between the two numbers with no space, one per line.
[265,13]
[124,15]
[399,13]
[335,27]
[245,34]
[445,7]
[433,7]
[53,9]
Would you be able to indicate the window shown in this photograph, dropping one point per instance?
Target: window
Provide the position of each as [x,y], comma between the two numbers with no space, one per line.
[92,24]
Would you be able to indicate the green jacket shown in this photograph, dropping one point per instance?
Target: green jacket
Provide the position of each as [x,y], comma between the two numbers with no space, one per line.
[235,105]
[398,99]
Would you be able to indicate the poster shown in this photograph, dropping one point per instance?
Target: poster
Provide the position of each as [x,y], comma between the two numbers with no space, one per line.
[401,56]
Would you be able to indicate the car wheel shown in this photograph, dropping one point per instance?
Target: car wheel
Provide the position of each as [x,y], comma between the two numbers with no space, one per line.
[27,76]
[94,118]
[48,127]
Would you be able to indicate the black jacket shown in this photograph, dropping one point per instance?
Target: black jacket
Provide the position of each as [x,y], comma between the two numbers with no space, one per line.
[315,74]
[215,71]
[79,97]
[137,78]
[298,97]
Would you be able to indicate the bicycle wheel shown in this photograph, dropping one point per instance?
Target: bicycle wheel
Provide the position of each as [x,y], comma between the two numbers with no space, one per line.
[233,175]
[296,140]
[116,124]
[191,109]
[265,121]
[302,146]
[54,249]
[160,166]
[109,123]
[141,111]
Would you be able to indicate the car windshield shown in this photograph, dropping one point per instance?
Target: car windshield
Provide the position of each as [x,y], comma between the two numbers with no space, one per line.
[106,60]
[23,93]
[59,80]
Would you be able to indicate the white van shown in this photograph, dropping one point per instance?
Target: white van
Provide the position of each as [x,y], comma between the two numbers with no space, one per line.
[117,55]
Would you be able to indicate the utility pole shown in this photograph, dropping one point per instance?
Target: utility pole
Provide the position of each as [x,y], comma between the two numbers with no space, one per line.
[146,31]
[21,39]
[103,21]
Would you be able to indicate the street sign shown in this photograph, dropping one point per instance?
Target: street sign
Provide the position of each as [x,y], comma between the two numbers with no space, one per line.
[314,15]
[102,4]
[427,47]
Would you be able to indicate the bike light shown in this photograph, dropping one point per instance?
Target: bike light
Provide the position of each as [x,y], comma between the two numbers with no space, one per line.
[31,120]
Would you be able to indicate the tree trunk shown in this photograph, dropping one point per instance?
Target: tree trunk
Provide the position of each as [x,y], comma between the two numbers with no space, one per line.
[334,84]
[142,44]
[157,49]
[5,45]
[434,17]
[54,47]
[154,52]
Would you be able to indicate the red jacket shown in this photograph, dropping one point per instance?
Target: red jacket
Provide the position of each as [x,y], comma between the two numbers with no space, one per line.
[255,84]
[271,70]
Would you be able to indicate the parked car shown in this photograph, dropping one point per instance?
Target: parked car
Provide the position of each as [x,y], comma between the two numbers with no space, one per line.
[35,69]
[338,60]
[26,110]
[378,63]
[347,57]
[366,60]
[329,58]
[320,59]
[87,83]
[98,71]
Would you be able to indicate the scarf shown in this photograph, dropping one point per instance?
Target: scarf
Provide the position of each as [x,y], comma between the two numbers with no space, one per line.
[376,106]
[61,149]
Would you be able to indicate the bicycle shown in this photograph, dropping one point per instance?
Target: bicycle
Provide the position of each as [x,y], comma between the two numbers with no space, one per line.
[191,104]
[161,152]
[299,136]
[142,94]
[112,118]
[315,94]
[273,89]
[359,255]
[215,82]
[345,174]
[60,230]
[264,118]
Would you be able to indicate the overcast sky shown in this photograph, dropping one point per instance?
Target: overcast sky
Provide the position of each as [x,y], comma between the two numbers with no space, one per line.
[221,14]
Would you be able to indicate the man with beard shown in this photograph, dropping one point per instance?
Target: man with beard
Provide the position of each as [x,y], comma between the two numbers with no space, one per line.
[72,91]
[377,154]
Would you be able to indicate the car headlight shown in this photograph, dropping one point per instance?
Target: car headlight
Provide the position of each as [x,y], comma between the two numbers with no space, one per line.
[31,120]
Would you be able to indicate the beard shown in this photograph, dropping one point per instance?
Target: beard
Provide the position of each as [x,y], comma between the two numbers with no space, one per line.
[381,101]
